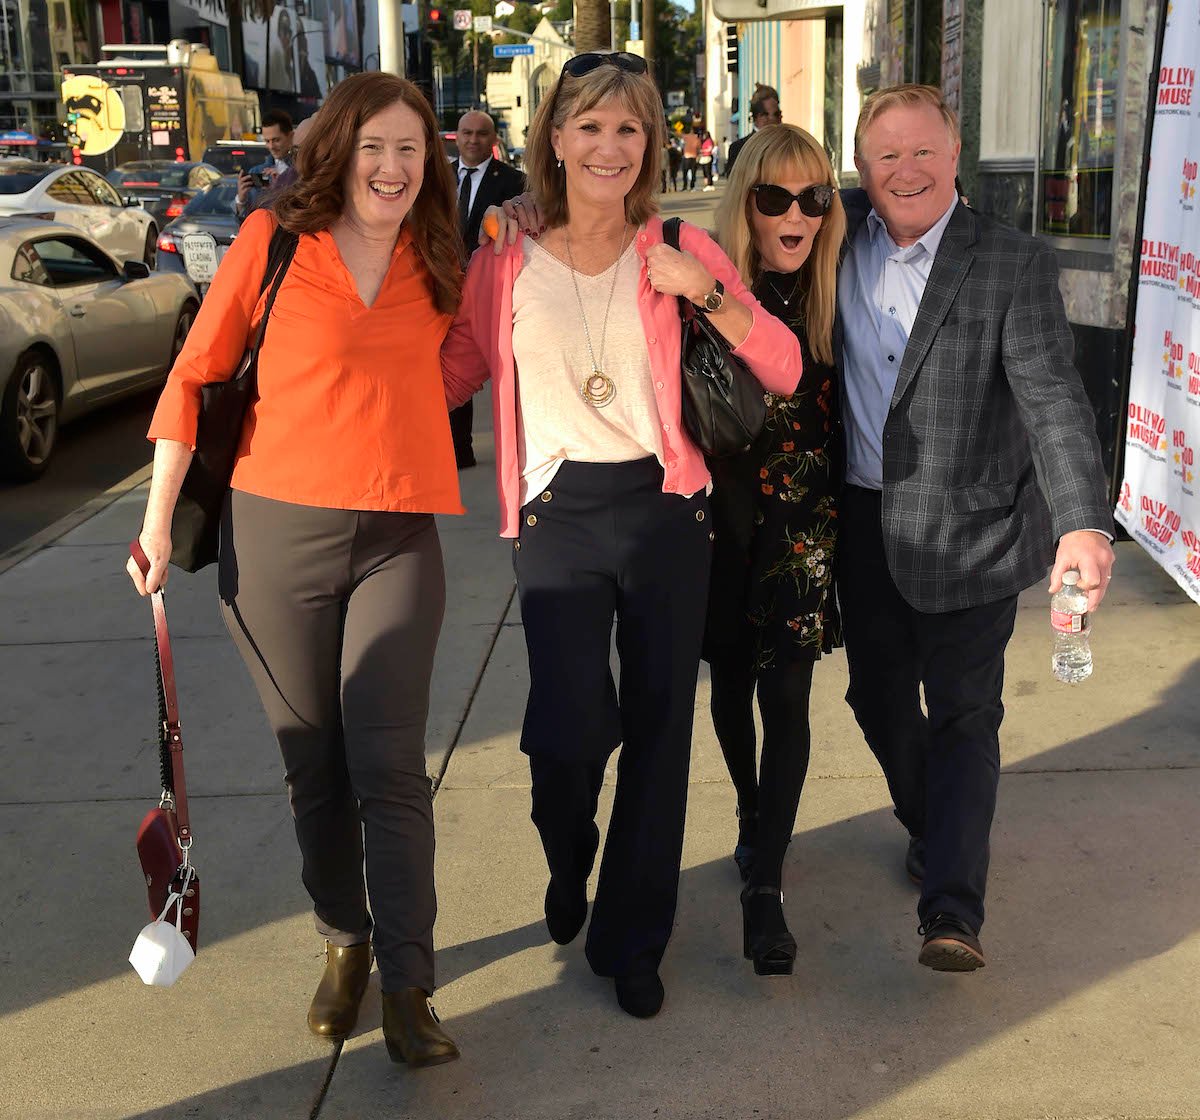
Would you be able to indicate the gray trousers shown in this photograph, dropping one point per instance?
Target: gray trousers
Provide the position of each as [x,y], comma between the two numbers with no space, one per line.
[336,614]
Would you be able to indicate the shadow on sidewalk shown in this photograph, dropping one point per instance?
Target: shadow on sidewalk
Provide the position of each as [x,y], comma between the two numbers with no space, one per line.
[1093,877]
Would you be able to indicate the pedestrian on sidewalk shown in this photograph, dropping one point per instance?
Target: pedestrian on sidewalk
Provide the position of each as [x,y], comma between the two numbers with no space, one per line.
[771,609]
[764,111]
[972,464]
[706,158]
[603,492]
[691,156]
[331,580]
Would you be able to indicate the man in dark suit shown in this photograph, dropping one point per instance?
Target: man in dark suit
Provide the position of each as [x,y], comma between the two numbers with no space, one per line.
[764,110]
[483,181]
[972,463]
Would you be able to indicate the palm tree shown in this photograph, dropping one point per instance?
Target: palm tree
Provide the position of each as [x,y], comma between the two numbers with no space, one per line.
[592,31]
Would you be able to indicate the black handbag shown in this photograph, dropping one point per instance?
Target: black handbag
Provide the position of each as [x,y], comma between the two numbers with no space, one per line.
[723,405]
[196,523]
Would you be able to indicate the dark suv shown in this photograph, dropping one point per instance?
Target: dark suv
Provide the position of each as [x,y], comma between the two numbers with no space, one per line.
[228,155]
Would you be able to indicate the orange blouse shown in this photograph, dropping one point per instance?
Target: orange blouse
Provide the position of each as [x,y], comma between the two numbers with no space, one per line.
[351,411]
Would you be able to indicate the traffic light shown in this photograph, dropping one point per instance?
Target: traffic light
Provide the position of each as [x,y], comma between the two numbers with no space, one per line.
[731,48]
[437,23]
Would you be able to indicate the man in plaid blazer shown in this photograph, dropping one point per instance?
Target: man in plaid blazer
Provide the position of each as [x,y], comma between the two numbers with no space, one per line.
[972,464]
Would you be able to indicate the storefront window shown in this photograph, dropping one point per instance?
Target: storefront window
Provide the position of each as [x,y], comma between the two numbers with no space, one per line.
[1079,115]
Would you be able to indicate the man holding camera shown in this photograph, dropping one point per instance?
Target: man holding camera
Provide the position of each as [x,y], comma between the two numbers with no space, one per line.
[279,136]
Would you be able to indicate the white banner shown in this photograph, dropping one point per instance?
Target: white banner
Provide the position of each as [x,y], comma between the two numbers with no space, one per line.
[1158,504]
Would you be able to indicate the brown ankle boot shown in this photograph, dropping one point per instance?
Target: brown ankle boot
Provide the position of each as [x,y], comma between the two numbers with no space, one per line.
[412,1032]
[334,1009]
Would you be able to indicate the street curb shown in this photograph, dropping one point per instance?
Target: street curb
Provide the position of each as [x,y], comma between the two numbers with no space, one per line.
[73,520]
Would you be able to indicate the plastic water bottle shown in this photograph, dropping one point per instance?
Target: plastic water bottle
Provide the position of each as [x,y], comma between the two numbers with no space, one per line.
[1072,657]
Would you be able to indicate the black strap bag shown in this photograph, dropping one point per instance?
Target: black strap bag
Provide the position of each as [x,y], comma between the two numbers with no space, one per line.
[196,524]
[723,405]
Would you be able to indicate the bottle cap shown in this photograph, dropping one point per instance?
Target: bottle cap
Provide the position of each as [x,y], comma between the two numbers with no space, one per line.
[1070,578]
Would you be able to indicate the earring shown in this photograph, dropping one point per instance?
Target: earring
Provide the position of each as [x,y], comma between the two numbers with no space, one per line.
[560,165]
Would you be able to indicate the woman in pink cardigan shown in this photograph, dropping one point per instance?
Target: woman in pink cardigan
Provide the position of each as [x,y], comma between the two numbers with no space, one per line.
[605,496]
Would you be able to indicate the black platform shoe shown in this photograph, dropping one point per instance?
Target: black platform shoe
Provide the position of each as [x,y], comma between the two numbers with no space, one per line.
[743,854]
[766,939]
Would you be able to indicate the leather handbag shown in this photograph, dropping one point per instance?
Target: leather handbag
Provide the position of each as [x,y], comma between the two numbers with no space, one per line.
[196,522]
[723,405]
[164,838]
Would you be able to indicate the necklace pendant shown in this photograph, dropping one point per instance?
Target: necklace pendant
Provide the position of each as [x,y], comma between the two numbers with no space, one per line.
[598,390]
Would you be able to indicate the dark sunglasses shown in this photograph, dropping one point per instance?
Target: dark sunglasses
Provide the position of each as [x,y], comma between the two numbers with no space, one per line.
[773,201]
[585,63]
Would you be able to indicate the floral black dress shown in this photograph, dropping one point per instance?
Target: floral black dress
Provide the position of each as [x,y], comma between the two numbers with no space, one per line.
[775,518]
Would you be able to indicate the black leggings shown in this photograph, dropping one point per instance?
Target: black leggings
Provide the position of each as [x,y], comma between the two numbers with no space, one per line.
[772,790]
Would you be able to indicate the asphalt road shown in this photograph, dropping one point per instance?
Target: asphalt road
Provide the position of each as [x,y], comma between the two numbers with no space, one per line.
[94,453]
[103,448]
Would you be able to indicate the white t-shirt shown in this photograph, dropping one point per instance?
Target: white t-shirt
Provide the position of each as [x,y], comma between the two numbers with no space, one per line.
[554,423]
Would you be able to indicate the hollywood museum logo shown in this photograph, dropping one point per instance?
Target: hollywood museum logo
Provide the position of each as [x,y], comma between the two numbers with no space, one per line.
[1159,521]
[1126,502]
[1183,460]
[1187,190]
[1188,277]
[1147,430]
[1176,85]
[1160,263]
[1191,542]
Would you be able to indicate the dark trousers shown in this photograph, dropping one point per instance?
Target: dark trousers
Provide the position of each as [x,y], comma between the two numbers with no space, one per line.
[461,421]
[689,173]
[943,768]
[768,791]
[603,542]
[337,615]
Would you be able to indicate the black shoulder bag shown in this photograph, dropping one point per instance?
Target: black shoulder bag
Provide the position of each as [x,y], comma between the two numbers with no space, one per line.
[196,523]
[723,405]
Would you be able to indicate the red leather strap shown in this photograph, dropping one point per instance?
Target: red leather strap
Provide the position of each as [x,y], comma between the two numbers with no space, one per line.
[171,727]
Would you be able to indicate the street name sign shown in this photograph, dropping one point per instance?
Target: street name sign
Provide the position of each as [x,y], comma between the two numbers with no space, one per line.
[511,50]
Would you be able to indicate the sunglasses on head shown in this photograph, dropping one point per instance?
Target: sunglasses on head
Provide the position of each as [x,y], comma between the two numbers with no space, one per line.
[585,63]
[772,201]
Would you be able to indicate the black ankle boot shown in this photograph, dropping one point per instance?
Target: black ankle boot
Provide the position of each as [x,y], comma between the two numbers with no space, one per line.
[766,939]
[743,854]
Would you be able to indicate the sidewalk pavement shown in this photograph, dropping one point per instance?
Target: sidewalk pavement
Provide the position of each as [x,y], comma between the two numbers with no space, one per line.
[1087,1008]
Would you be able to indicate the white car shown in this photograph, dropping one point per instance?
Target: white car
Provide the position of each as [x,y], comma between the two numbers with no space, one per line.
[77,330]
[79,197]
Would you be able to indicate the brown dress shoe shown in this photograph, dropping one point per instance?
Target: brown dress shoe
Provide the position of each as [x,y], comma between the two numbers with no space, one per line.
[334,1009]
[411,1030]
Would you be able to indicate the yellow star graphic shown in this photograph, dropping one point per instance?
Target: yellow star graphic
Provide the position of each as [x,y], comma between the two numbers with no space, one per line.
[1177,456]
[1162,445]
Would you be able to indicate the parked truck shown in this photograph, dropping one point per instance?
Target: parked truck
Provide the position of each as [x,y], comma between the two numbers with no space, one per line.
[153,102]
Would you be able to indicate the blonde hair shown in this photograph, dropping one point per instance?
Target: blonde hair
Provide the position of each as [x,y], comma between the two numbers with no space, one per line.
[909,96]
[570,97]
[775,153]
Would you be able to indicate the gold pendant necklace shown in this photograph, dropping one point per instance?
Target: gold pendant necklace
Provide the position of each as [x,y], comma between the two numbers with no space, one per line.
[597,389]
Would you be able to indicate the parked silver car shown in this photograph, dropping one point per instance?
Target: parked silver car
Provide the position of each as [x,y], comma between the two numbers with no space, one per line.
[77,330]
[79,197]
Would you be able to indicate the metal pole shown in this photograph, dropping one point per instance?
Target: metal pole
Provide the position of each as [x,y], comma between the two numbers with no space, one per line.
[648,33]
[391,37]
[612,25]
[475,71]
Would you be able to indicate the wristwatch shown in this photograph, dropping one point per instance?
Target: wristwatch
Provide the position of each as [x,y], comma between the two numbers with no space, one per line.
[714,299]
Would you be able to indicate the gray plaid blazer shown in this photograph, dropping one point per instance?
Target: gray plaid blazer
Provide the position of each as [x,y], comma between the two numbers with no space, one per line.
[989,451]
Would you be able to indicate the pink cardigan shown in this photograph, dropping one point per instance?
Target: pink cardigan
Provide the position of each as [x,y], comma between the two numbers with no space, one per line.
[479,345]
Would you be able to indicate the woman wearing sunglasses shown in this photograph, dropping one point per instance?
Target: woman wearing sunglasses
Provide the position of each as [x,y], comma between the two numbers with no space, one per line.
[771,609]
[604,495]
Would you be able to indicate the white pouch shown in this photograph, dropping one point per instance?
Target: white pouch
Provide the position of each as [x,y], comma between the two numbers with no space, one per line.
[161,954]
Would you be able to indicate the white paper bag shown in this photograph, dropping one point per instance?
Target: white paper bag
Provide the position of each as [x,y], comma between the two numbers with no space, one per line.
[161,954]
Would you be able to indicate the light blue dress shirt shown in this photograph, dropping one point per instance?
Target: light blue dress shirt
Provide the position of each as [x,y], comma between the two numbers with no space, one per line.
[879,291]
